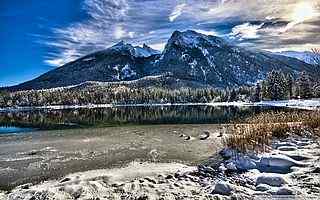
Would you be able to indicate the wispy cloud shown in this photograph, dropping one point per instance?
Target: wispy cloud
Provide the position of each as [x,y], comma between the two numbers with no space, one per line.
[245,31]
[177,11]
[266,24]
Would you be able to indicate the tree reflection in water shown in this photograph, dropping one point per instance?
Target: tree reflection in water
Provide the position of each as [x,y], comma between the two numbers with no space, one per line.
[103,117]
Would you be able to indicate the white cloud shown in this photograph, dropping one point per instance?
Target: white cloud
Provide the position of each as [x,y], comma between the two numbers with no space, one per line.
[94,34]
[177,11]
[131,34]
[119,32]
[150,21]
[207,32]
[158,46]
[245,31]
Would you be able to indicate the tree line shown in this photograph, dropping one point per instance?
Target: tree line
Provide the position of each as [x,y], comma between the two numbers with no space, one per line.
[277,86]
[281,86]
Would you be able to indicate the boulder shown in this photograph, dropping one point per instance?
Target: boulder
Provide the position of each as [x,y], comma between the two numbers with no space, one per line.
[271,179]
[223,188]
[263,187]
[287,148]
[205,135]
[284,191]
[279,161]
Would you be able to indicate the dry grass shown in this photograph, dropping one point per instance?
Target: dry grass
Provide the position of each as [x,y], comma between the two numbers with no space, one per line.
[256,133]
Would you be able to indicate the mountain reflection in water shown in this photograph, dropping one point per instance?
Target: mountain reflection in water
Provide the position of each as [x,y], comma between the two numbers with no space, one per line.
[141,115]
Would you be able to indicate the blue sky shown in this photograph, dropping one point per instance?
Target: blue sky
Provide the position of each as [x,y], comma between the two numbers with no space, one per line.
[39,35]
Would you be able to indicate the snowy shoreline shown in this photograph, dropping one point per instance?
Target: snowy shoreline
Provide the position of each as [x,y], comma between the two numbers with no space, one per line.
[310,104]
[290,169]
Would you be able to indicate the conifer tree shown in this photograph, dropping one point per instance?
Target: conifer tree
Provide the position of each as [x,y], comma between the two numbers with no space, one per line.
[275,85]
[289,85]
[304,85]
[257,93]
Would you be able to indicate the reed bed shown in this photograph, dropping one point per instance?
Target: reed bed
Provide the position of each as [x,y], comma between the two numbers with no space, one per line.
[256,133]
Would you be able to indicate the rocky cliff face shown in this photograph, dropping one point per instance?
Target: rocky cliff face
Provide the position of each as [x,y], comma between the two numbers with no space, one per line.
[188,56]
[211,60]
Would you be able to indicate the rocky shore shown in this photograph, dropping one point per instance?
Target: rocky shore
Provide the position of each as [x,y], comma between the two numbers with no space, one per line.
[290,168]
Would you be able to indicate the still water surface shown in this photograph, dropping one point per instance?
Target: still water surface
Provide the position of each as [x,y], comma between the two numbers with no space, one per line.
[46,119]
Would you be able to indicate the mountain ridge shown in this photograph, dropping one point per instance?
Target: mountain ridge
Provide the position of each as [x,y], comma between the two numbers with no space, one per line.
[305,56]
[187,56]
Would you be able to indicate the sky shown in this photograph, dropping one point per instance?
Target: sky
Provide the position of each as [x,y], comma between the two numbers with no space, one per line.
[39,35]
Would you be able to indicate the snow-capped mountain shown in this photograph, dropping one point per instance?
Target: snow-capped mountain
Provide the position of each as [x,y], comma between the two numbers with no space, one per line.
[305,56]
[211,60]
[145,51]
[137,51]
[188,56]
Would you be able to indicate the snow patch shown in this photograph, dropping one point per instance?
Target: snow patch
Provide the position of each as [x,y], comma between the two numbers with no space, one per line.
[127,72]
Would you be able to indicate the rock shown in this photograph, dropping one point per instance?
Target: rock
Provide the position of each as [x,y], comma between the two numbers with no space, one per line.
[284,144]
[299,157]
[151,180]
[2,196]
[206,170]
[284,191]
[231,166]
[316,170]
[74,190]
[279,161]
[33,152]
[169,177]
[205,135]
[25,186]
[176,184]
[151,185]
[222,168]
[287,148]
[188,137]
[227,153]
[244,163]
[262,187]
[223,188]
[65,180]
[271,179]
[143,197]
[303,144]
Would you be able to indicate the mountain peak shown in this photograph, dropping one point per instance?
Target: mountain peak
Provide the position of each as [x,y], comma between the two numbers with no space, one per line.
[145,46]
[190,38]
[188,55]
[121,44]
[145,51]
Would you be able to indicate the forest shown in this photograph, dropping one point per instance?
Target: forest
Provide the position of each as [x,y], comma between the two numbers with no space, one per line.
[277,86]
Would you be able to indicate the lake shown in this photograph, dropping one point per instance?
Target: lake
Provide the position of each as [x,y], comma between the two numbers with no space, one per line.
[50,119]
[53,143]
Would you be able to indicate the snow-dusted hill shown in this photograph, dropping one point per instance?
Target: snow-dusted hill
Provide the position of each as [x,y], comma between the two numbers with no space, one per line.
[305,56]
[188,56]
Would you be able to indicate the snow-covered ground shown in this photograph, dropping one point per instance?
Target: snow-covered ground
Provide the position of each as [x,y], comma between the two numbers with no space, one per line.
[54,107]
[290,169]
[310,104]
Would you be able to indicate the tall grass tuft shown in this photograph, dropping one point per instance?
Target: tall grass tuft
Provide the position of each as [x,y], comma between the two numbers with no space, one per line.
[256,133]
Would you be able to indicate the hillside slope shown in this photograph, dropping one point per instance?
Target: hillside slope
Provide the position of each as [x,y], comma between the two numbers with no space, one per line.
[188,56]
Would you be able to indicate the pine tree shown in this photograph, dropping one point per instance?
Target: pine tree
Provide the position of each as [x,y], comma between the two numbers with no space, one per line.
[304,85]
[257,93]
[264,91]
[275,85]
[289,85]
